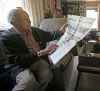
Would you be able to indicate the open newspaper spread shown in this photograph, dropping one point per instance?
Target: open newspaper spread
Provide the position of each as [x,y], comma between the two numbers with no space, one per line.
[78,27]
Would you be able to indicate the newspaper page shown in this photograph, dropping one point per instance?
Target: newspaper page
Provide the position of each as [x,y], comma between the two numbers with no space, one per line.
[78,27]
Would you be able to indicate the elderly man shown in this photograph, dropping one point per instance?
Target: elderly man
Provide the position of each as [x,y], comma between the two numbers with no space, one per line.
[40,74]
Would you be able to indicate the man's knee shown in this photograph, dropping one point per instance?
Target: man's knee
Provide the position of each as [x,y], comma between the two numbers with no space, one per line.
[45,76]
[44,73]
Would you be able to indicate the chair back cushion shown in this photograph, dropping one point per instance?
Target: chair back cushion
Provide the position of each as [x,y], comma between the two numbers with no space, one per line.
[13,42]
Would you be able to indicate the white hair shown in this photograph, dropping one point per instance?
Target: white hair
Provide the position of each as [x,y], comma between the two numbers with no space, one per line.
[14,14]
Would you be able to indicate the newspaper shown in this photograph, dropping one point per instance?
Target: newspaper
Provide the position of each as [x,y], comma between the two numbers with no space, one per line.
[78,27]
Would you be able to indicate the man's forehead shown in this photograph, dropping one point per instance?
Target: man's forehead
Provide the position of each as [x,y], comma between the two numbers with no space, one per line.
[22,13]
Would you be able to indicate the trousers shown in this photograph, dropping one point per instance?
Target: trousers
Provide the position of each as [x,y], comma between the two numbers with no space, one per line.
[35,80]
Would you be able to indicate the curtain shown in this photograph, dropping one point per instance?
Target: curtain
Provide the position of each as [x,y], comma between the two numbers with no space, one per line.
[99,16]
[35,10]
[52,5]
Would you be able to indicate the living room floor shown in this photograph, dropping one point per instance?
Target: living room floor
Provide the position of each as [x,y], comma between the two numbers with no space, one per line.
[89,82]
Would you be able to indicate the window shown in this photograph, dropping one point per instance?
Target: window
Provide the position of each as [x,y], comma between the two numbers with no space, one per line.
[5,7]
[93,14]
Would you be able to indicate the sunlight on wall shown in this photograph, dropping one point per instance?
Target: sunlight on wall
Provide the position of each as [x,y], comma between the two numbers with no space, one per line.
[93,14]
[5,7]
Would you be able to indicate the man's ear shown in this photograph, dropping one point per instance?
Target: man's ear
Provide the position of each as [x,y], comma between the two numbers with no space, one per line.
[13,19]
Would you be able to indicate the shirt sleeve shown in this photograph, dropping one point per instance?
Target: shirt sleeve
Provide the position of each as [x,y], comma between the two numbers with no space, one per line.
[44,37]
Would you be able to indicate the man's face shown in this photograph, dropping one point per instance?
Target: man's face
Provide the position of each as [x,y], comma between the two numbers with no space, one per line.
[23,21]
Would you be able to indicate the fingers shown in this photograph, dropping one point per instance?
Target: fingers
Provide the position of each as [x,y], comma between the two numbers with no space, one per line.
[52,48]
[51,51]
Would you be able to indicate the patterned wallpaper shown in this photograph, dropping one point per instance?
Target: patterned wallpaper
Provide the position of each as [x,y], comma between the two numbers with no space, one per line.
[74,7]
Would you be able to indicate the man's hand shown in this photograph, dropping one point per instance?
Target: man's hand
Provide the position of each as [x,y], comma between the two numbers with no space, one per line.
[51,47]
